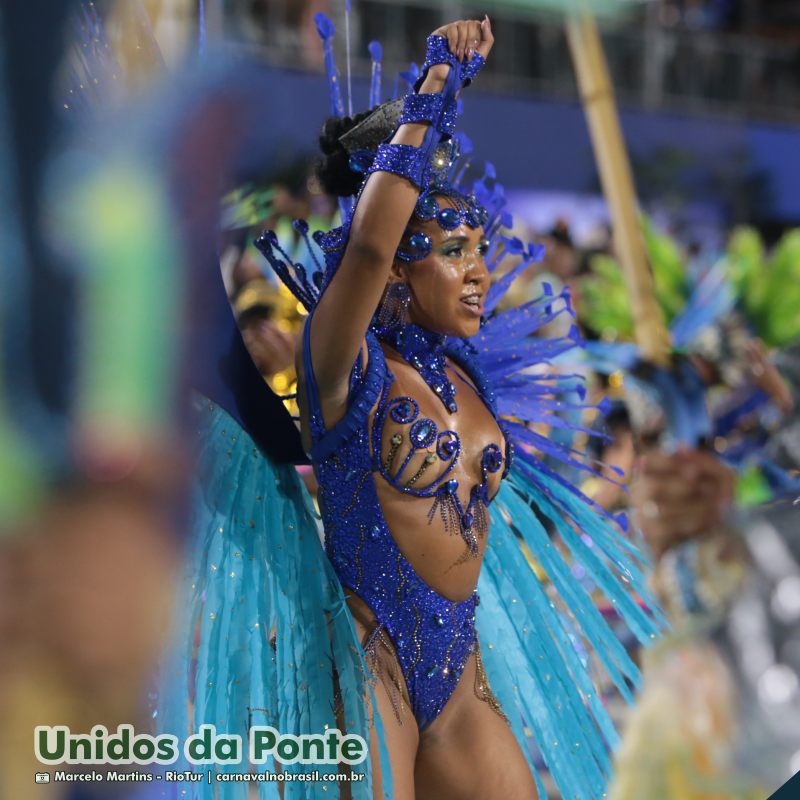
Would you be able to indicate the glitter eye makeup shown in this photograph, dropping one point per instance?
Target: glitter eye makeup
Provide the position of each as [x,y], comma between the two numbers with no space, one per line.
[458,247]
[454,247]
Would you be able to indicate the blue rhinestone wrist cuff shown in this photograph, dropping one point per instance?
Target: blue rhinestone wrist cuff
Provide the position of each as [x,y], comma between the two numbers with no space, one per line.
[440,112]
[403,160]
[470,69]
[438,52]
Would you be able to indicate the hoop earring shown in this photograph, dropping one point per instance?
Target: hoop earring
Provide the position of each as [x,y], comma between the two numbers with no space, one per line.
[393,310]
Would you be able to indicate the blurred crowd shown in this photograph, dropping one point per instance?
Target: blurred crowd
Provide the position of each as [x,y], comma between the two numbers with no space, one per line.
[736,56]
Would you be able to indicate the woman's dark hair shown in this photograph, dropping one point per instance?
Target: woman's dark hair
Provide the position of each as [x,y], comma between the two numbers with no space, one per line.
[333,169]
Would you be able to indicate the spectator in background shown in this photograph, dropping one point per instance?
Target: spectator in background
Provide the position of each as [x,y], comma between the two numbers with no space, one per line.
[270,345]
[608,489]
[559,266]
[561,255]
[295,193]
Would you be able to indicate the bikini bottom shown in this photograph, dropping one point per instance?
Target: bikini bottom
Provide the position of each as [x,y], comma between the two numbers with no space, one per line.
[433,637]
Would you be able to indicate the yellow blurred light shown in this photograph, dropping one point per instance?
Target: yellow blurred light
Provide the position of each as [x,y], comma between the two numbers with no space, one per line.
[616,379]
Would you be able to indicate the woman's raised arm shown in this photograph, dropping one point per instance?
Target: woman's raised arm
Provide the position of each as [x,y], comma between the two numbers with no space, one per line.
[387,202]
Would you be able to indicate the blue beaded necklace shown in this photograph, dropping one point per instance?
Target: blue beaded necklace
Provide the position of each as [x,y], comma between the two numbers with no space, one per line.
[425,351]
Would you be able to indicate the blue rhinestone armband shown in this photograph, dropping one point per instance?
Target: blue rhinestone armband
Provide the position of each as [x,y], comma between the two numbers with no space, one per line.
[437,109]
[403,160]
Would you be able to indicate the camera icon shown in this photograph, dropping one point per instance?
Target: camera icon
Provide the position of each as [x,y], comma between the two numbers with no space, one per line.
[42,777]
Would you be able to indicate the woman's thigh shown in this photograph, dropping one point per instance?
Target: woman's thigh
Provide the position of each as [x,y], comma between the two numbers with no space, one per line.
[469,751]
[400,731]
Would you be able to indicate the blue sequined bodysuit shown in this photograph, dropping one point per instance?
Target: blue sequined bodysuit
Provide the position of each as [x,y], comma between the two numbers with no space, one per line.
[433,636]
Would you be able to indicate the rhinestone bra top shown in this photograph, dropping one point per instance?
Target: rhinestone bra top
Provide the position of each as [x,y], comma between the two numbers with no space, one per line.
[427,353]
[422,457]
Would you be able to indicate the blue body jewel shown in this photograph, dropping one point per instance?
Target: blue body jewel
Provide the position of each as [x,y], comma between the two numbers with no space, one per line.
[425,352]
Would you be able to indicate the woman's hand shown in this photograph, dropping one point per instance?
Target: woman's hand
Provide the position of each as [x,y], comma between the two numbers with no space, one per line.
[468,36]
[677,497]
[763,374]
[464,38]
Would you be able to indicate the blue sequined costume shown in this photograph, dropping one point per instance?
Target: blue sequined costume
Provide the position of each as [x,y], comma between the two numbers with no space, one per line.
[432,635]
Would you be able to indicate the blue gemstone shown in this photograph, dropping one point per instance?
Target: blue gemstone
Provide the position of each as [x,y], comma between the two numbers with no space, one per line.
[427,207]
[375,533]
[493,459]
[423,433]
[467,520]
[449,446]
[448,218]
[438,620]
[300,225]
[432,671]
[404,412]
[361,161]
[420,244]
[451,486]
